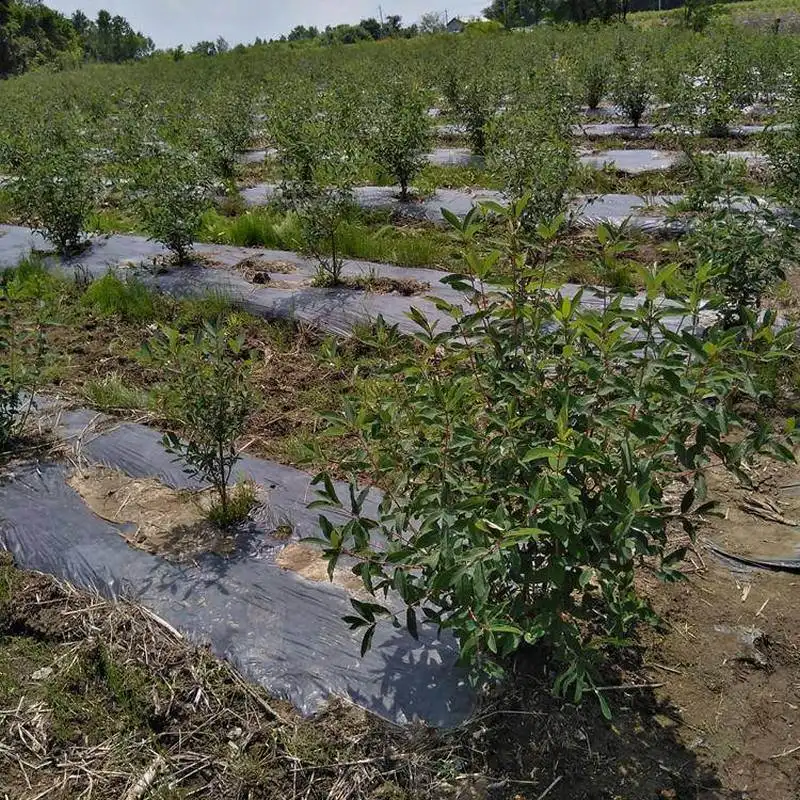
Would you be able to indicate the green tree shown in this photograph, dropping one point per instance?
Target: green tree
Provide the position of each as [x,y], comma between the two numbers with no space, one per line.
[516,13]
[432,22]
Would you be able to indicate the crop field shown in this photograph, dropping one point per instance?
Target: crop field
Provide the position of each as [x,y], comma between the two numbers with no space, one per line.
[406,419]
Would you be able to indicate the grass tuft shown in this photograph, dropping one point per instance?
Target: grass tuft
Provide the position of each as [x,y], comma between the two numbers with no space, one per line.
[129,299]
[243,499]
[111,393]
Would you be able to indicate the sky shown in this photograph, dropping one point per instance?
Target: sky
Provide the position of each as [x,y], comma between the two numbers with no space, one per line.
[172,22]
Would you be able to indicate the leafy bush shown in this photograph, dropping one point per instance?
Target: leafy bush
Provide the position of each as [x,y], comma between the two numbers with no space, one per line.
[631,89]
[748,253]
[783,149]
[712,178]
[175,192]
[525,453]
[225,129]
[594,77]
[530,149]
[400,135]
[712,92]
[208,371]
[697,14]
[56,194]
[320,161]
[477,101]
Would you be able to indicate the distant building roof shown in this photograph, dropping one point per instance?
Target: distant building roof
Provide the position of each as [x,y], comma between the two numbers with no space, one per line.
[455,25]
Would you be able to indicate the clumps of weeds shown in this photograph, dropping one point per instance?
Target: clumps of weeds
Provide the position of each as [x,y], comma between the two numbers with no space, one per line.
[241,501]
[112,393]
[124,297]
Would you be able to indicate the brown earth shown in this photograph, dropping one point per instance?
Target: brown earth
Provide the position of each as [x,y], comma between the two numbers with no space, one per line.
[307,562]
[167,522]
[706,709]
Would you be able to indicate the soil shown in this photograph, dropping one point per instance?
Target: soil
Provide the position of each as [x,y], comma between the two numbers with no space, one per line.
[733,640]
[259,270]
[307,562]
[165,522]
[386,285]
[707,708]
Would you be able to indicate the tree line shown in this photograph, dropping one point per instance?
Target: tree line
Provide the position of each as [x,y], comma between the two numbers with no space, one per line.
[33,35]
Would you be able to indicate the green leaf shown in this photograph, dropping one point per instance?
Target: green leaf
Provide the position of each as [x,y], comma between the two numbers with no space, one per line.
[366,642]
[605,708]
[411,622]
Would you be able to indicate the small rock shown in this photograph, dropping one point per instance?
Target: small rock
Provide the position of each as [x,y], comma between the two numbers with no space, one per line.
[42,674]
[663,721]
[752,640]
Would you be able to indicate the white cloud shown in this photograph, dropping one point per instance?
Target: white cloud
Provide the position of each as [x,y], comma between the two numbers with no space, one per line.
[172,22]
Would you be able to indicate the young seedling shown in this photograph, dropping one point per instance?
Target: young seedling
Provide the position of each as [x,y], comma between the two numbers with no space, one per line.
[213,400]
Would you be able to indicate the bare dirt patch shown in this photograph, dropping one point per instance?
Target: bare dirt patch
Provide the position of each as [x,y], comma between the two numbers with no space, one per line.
[730,659]
[259,270]
[164,521]
[307,562]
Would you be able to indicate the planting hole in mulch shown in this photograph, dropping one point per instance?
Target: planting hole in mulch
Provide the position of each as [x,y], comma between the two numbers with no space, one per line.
[164,521]
[306,561]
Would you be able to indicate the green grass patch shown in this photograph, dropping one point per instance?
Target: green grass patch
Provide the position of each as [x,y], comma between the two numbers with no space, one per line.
[112,393]
[367,236]
[126,298]
[113,220]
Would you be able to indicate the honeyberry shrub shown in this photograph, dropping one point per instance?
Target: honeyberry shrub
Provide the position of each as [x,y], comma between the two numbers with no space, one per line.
[632,86]
[224,128]
[771,67]
[320,160]
[748,252]
[527,450]
[57,186]
[477,97]
[531,146]
[399,131]
[594,77]
[172,191]
[714,180]
[713,91]
[208,371]
[782,146]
